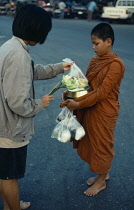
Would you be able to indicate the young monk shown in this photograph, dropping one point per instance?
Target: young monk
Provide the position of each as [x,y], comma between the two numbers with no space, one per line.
[98,110]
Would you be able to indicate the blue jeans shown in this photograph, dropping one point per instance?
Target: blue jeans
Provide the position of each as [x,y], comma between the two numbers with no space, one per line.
[62,14]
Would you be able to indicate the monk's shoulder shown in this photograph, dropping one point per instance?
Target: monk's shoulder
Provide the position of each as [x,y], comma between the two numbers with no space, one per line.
[119,60]
[118,66]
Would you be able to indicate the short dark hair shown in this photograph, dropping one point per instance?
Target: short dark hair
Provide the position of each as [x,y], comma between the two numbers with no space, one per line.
[103,31]
[32,23]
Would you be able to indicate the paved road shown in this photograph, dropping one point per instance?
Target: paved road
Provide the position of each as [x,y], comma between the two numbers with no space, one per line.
[56,177]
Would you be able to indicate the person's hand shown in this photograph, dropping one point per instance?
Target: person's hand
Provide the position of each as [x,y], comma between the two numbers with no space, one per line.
[67,66]
[46,100]
[71,104]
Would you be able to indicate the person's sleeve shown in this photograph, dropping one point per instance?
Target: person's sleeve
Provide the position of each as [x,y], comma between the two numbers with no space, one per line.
[112,78]
[17,85]
[47,72]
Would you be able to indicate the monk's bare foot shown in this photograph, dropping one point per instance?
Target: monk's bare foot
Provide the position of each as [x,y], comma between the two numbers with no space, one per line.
[96,188]
[92,180]
[24,205]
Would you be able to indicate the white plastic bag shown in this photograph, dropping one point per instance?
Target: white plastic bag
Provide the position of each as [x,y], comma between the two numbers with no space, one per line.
[67,127]
[65,113]
[61,132]
[76,129]
[75,72]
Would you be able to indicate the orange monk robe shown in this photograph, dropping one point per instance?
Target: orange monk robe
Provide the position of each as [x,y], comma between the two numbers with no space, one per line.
[98,112]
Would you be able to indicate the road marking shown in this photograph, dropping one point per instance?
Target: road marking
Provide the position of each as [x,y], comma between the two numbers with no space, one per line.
[1,37]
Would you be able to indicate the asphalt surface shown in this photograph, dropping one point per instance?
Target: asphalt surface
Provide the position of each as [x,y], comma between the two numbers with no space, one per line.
[56,177]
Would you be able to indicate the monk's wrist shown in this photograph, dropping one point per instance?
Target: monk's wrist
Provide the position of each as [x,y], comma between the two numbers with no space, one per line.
[77,104]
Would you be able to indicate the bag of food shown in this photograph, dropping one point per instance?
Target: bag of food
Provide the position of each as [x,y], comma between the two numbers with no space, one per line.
[67,127]
[75,78]
[61,130]
[76,129]
[65,113]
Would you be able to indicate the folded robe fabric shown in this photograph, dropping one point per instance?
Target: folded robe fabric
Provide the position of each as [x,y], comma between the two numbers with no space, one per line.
[98,112]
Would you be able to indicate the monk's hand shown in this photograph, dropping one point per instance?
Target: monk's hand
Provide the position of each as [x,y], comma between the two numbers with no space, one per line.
[72,105]
[46,100]
[67,66]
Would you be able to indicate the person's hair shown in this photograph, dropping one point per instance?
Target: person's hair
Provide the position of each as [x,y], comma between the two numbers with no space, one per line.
[103,31]
[32,23]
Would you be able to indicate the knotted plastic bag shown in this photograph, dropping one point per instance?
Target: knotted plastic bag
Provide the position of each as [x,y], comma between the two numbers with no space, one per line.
[76,129]
[67,127]
[61,130]
[76,74]
[65,113]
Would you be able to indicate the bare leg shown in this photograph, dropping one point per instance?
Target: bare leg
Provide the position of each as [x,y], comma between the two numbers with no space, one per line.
[10,194]
[89,15]
[23,204]
[6,207]
[99,185]
[92,180]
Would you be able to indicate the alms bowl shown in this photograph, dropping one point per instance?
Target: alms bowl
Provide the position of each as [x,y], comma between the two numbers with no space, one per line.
[78,93]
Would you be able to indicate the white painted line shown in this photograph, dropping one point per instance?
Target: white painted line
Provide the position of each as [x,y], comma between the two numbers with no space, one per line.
[1,37]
